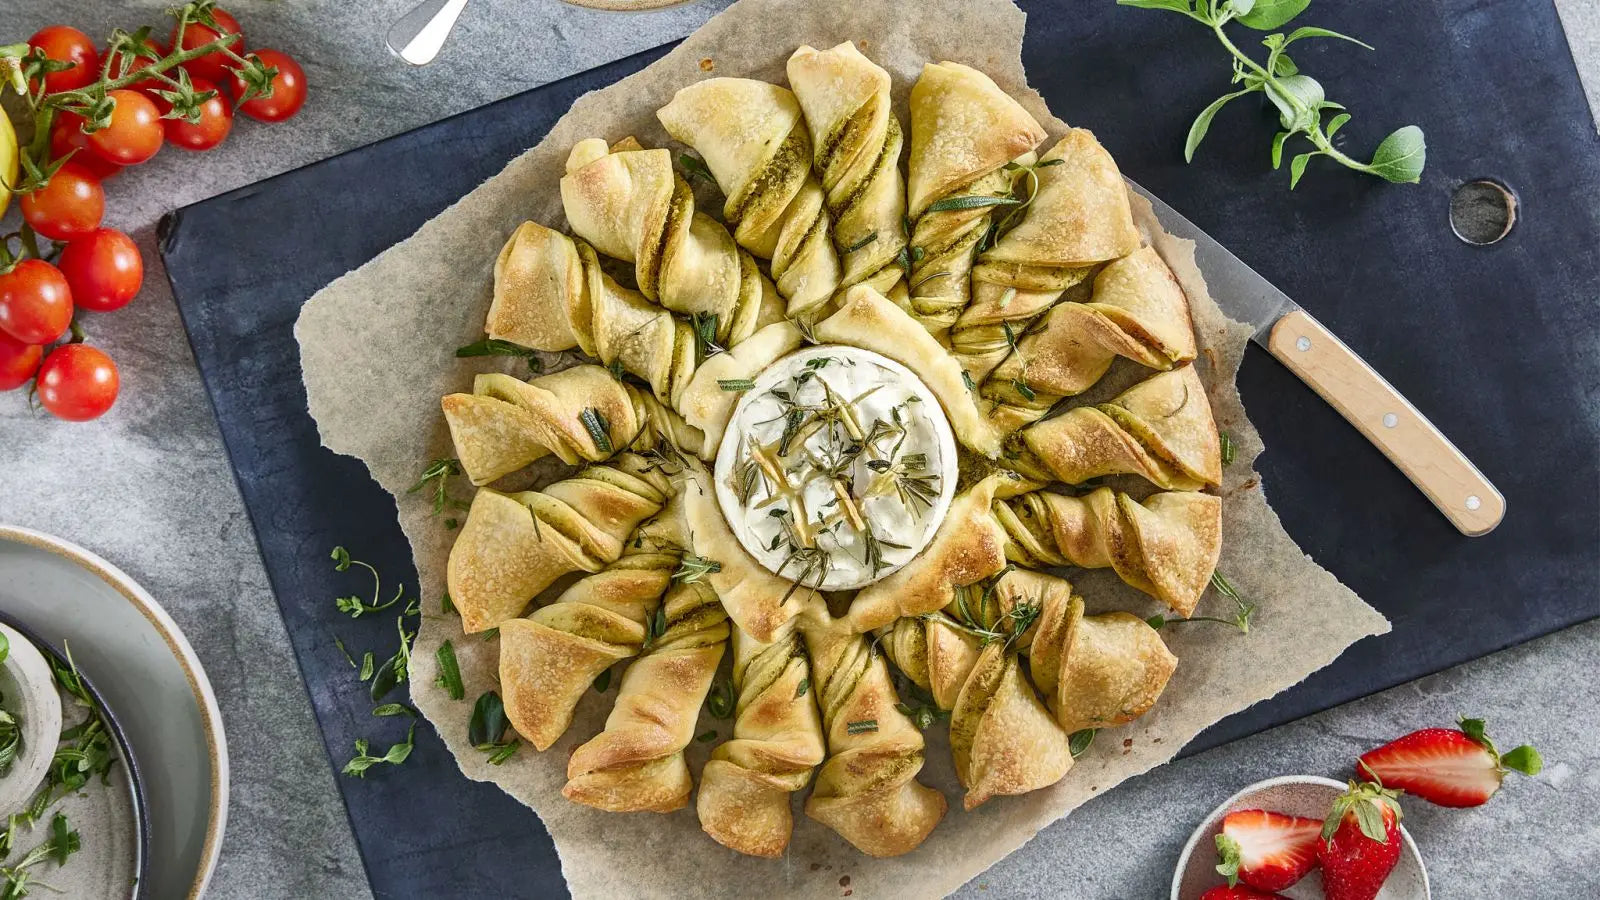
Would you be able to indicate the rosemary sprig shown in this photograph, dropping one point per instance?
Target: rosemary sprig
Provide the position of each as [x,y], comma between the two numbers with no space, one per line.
[704,326]
[735,385]
[449,671]
[599,429]
[496,347]
[695,568]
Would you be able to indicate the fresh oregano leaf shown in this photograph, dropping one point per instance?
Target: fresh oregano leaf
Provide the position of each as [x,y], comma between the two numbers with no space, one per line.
[1297,98]
[449,671]
[1297,168]
[1277,150]
[1266,15]
[1334,124]
[1202,122]
[1310,31]
[1078,743]
[1401,156]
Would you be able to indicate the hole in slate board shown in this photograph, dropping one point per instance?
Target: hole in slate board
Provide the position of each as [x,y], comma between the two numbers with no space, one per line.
[1482,211]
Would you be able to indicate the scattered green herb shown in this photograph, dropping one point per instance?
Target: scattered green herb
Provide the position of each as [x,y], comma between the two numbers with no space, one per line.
[1299,98]
[720,701]
[602,682]
[368,666]
[801,689]
[1079,741]
[864,242]
[694,568]
[495,347]
[449,671]
[970,201]
[862,726]
[736,384]
[394,756]
[599,429]
[1228,450]
[438,472]
[704,326]
[696,166]
[63,843]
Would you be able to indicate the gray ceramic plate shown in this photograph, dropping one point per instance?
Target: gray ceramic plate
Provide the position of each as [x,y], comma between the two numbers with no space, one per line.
[134,653]
[110,818]
[1296,795]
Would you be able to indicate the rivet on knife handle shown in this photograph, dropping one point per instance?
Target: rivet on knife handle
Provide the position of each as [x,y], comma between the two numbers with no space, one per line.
[1389,421]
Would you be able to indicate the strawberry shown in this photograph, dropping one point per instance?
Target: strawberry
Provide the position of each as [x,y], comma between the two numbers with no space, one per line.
[1446,766]
[1266,850]
[1238,892]
[1360,842]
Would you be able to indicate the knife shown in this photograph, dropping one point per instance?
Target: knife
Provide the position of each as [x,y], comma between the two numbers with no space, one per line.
[1345,381]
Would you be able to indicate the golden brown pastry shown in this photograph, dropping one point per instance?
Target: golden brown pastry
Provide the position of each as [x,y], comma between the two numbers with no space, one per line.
[1079,217]
[512,546]
[1095,671]
[1166,546]
[758,601]
[866,789]
[550,294]
[868,320]
[632,206]
[856,141]
[968,547]
[706,406]
[964,131]
[636,764]
[1137,310]
[753,140]
[1003,739]
[743,801]
[549,658]
[1160,429]
[581,414]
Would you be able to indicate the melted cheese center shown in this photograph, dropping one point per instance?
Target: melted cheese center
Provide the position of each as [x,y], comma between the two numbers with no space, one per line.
[837,467]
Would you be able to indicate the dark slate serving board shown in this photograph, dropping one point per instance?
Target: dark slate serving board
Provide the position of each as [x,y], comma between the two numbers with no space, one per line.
[1500,346]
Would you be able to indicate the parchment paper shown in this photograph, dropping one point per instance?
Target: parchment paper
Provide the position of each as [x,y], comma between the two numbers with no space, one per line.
[377,350]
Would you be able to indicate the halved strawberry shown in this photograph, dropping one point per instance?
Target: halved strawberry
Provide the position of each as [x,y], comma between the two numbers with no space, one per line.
[1360,842]
[1446,766]
[1267,850]
[1238,892]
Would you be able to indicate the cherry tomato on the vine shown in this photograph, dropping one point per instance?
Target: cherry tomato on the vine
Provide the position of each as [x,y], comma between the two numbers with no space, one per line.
[77,382]
[66,135]
[288,89]
[216,65]
[134,134]
[216,120]
[69,205]
[103,269]
[18,362]
[67,44]
[35,302]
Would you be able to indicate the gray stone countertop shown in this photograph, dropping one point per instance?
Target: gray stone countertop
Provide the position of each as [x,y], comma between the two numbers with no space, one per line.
[149,488]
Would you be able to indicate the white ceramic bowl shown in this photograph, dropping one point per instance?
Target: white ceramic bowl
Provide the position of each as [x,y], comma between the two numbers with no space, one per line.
[1296,795]
[152,682]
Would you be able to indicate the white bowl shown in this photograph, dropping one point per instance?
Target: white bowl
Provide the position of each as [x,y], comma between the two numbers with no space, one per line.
[1296,795]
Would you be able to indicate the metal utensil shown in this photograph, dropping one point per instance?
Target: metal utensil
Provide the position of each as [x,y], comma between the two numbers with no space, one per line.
[419,34]
[1361,395]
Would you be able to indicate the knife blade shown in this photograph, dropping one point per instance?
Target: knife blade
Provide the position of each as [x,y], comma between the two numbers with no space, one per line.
[1353,388]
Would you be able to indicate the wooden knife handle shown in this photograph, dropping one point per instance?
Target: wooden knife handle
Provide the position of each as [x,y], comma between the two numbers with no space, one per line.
[1389,421]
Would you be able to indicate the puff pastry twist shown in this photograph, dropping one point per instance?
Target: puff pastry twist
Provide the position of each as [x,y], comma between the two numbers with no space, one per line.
[1136,310]
[856,142]
[1003,739]
[636,764]
[1078,218]
[1166,546]
[964,130]
[743,800]
[506,423]
[1161,429]
[512,546]
[754,140]
[866,789]
[551,657]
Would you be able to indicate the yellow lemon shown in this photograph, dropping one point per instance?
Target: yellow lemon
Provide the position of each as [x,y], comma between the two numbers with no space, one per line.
[8,160]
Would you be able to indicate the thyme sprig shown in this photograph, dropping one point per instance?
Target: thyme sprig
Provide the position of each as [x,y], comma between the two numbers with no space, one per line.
[1241,616]
[438,474]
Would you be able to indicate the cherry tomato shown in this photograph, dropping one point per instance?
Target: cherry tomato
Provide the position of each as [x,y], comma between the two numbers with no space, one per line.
[69,206]
[35,302]
[216,65]
[103,269]
[216,120]
[77,382]
[288,89]
[18,362]
[134,134]
[68,44]
[66,135]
